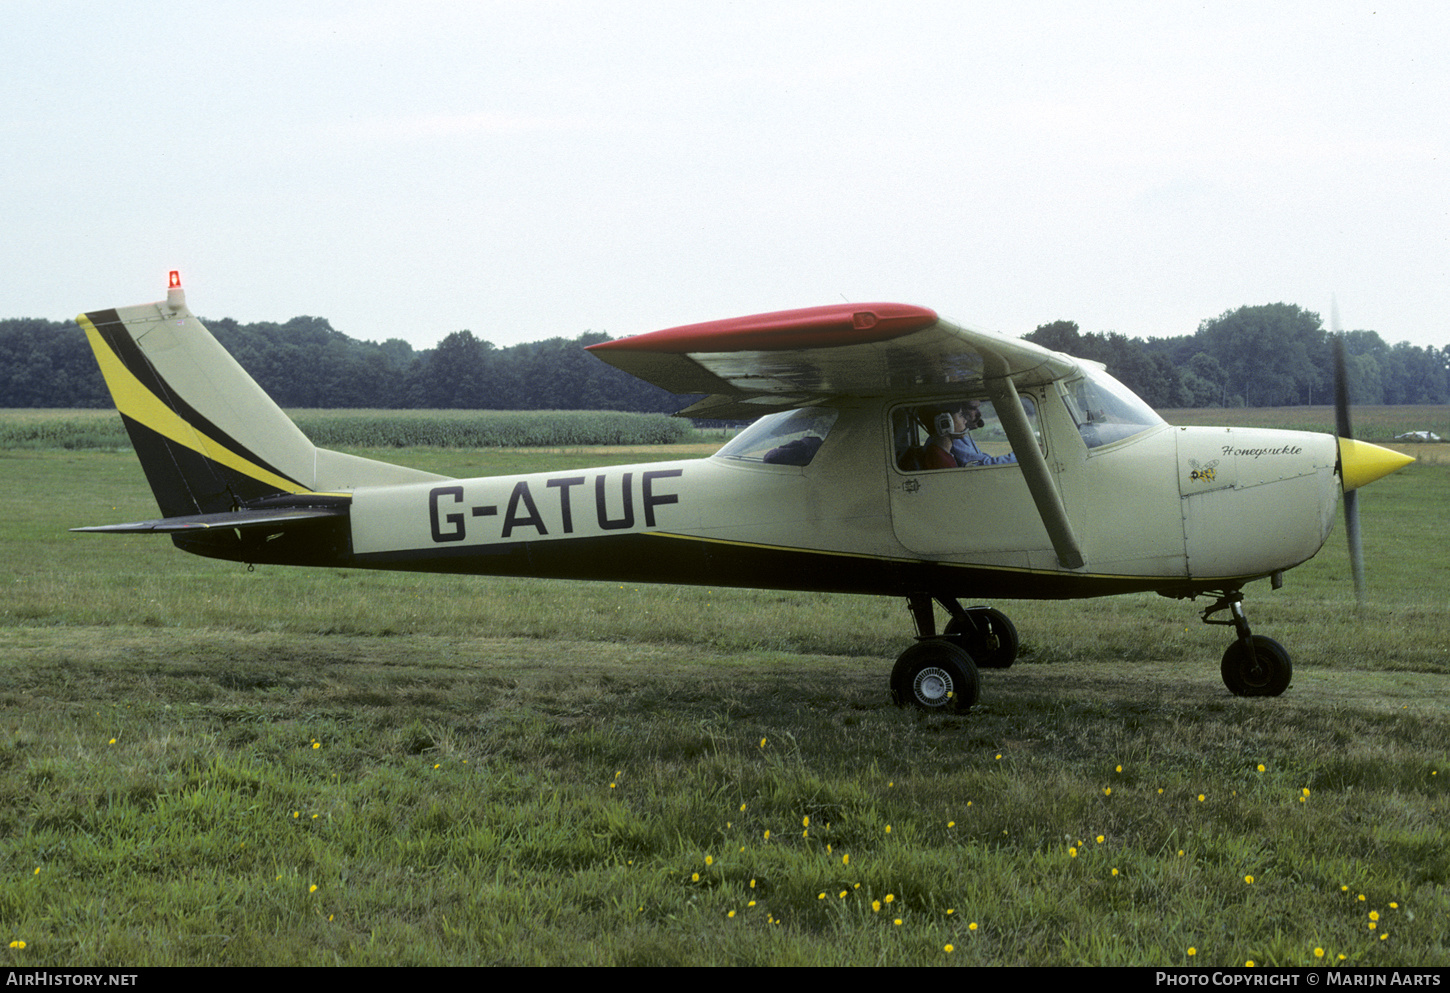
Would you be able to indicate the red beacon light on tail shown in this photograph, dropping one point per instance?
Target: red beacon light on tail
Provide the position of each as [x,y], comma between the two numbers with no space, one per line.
[175,295]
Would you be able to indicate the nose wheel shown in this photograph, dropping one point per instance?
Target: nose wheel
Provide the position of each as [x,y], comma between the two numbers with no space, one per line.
[1253,665]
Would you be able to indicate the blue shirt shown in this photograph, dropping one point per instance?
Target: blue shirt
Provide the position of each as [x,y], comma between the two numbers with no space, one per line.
[966,452]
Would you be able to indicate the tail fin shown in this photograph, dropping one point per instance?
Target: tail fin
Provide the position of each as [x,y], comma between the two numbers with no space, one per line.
[208,437]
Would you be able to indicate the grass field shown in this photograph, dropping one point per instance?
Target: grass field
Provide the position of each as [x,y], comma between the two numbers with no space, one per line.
[204,765]
[1370,423]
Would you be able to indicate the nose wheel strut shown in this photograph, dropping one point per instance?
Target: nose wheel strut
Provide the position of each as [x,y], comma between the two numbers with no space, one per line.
[1253,665]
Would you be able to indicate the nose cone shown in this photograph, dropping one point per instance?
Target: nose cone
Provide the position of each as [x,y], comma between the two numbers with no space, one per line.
[1361,463]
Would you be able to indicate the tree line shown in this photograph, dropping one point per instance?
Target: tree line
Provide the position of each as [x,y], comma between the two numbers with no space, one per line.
[1272,355]
[1259,356]
[305,362]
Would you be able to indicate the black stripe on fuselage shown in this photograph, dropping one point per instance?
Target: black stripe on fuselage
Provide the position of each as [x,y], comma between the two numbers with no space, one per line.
[645,558]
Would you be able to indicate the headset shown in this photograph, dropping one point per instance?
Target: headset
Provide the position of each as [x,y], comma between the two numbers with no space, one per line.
[943,422]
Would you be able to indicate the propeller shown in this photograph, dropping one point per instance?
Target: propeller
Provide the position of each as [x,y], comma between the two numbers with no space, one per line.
[1346,433]
[1359,462]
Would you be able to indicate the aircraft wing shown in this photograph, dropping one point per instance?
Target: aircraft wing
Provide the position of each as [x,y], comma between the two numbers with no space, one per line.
[794,358]
[753,365]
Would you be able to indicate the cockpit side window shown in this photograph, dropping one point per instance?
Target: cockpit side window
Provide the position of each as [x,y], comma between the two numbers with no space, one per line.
[791,437]
[954,433]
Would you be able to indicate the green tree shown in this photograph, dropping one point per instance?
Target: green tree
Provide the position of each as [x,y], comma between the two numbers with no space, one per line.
[1273,354]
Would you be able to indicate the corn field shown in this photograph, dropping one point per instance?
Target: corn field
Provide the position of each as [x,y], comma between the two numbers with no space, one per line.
[102,429]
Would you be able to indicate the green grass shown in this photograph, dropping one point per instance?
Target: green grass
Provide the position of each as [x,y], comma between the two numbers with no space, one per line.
[531,772]
[1370,423]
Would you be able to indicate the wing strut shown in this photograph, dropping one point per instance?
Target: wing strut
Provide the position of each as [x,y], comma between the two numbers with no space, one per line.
[1008,405]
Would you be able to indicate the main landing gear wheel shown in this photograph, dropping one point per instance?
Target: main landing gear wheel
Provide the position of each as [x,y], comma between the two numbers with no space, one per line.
[993,644]
[1264,673]
[937,676]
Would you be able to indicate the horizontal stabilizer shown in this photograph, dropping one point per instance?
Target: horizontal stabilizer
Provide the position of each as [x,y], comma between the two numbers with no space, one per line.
[269,517]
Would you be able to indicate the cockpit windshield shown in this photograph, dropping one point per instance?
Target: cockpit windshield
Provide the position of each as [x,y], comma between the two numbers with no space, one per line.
[1105,410]
[791,437]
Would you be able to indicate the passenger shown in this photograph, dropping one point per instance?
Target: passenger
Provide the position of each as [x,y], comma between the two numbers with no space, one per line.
[951,445]
[943,422]
[797,452]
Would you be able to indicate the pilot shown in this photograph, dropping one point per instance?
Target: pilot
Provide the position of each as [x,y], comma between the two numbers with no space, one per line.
[964,449]
[950,445]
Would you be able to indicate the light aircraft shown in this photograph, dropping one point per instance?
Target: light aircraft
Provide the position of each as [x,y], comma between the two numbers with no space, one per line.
[892,453]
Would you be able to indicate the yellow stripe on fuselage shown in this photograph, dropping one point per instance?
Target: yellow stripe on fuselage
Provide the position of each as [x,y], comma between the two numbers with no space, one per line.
[141,405]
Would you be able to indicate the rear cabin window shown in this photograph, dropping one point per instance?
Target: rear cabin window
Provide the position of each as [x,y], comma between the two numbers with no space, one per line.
[791,437]
[960,433]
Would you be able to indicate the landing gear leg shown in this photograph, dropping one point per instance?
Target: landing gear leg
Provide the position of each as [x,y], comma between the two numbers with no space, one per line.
[935,674]
[1253,665]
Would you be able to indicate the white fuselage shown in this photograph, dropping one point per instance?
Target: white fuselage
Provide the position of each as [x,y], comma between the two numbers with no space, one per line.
[1172,509]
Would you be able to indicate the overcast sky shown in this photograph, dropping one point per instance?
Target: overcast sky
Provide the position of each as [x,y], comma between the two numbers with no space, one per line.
[526,170]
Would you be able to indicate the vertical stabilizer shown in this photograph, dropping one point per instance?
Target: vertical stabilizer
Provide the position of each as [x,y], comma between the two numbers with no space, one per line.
[207,435]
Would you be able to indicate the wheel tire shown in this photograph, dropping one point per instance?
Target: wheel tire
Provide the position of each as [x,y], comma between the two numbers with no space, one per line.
[1267,673]
[992,648]
[935,676]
